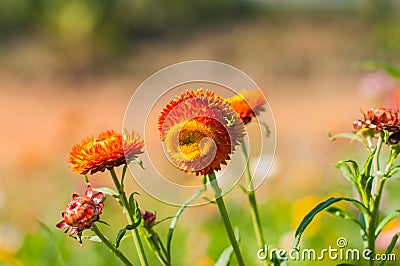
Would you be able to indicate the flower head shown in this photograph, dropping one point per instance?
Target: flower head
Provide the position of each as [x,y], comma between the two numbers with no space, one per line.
[104,152]
[200,130]
[248,104]
[82,212]
[379,119]
[148,217]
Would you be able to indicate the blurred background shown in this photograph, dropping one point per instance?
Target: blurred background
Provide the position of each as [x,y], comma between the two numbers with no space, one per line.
[69,68]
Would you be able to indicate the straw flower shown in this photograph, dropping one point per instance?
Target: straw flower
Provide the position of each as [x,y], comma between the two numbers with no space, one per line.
[82,212]
[106,151]
[199,131]
[379,119]
[248,104]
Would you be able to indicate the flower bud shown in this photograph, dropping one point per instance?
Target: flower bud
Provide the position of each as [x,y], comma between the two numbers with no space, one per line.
[82,212]
[148,217]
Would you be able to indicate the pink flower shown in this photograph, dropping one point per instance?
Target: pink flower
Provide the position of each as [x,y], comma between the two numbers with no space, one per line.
[148,217]
[82,212]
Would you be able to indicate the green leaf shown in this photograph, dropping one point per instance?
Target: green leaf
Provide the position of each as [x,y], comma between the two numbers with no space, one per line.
[94,239]
[320,207]
[345,215]
[226,255]
[366,179]
[163,220]
[385,221]
[349,170]
[107,191]
[245,191]
[136,160]
[350,136]
[134,225]
[132,202]
[120,235]
[45,227]
[345,264]
[393,171]
[390,248]
[209,200]
[175,220]
[123,174]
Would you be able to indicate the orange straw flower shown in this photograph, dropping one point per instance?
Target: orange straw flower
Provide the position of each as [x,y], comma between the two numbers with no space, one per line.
[104,152]
[248,104]
[200,130]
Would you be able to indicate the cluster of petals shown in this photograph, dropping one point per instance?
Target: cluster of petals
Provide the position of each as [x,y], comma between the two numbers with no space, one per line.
[82,212]
[106,151]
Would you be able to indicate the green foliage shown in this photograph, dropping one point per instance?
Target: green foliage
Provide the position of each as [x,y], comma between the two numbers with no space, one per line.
[226,255]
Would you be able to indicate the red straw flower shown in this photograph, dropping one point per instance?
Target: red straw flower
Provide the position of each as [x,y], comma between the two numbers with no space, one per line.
[82,212]
[200,130]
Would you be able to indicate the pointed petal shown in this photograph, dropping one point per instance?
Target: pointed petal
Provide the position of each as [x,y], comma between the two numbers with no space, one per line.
[61,224]
[89,191]
[97,197]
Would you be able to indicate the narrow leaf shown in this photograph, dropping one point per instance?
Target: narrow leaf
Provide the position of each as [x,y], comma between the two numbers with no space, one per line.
[385,221]
[45,227]
[137,161]
[134,225]
[366,172]
[393,171]
[94,239]
[320,207]
[390,248]
[226,255]
[350,173]
[107,191]
[175,219]
[163,220]
[209,200]
[132,202]
[123,174]
[245,191]
[350,136]
[345,215]
[120,235]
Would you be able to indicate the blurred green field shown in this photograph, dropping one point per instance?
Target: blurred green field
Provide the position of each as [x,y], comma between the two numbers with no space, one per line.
[69,68]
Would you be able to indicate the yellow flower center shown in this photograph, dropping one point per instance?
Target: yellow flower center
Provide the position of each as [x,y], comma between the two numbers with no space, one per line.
[190,140]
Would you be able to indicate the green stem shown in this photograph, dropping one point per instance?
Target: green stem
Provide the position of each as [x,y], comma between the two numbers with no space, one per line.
[225,217]
[111,246]
[130,217]
[373,204]
[378,151]
[255,217]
